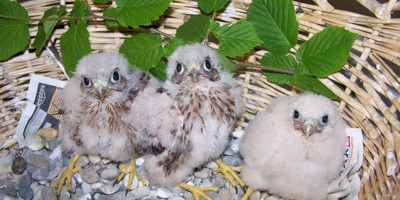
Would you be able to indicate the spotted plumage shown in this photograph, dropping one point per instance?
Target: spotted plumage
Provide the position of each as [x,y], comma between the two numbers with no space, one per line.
[208,100]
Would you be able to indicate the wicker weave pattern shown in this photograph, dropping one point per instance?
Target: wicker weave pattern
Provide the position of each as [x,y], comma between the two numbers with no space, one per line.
[368,84]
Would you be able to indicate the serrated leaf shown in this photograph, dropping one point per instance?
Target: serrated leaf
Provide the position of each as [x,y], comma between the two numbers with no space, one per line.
[74,45]
[80,9]
[226,64]
[312,84]
[209,6]
[45,28]
[275,24]
[112,12]
[235,39]
[14,34]
[102,1]
[143,50]
[326,52]
[160,71]
[172,45]
[281,62]
[138,13]
[195,29]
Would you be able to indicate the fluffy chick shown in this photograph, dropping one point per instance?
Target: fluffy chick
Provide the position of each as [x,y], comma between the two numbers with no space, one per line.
[295,148]
[97,103]
[209,102]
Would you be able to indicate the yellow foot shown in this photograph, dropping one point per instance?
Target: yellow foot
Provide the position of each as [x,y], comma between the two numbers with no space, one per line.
[198,191]
[131,170]
[229,173]
[248,193]
[67,174]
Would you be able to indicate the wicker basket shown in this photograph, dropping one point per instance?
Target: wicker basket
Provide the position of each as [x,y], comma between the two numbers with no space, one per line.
[370,100]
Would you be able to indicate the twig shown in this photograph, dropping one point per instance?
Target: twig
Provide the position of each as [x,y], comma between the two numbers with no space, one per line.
[153,30]
[265,68]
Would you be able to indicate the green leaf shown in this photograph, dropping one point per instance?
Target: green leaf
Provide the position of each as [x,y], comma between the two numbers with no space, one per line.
[45,28]
[137,13]
[160,71]
[74,45]
[312,84]
[226,64]
[143,50]
[80,9]
[102,1]
[14,34]
[172,45]
[275,23]
[235,39]
[209,6]
[326,52]
[195,29]
[281,62]
[112,12]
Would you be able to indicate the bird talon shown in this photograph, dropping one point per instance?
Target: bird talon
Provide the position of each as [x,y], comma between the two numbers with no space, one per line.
[67,175]
[229,173]
[198,191]
[131,170]
[248,193]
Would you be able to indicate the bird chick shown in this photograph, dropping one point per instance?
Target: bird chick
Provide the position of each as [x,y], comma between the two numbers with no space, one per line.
[209,102]
[97,103]
[295,148]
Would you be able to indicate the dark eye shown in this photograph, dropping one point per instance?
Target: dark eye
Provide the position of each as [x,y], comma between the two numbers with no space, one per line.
[296,114]
[325,119]
[179,69]
[207,65]
[115,77]
[87,82]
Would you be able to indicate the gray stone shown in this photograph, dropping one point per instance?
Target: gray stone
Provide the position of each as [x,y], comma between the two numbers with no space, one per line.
[164,193]
[89,175]
[197,181]
[110,173]
[206,183]
[82,161]
[212,165]
[176,198]
[94,159]
[235,145]
[78,178]
[96,186]
[219,181]
[48,193]
[235,197]
[232,160]
[187,195]
[255,196]
[109,188]
[201,174]
[53,174]
[25,193]
[141,192]
[177,191]
[225,194]
[38,161]
[229,152]
[40,175]
[24,181]
[86,188]
[85,197]
[135,182]
[139,161]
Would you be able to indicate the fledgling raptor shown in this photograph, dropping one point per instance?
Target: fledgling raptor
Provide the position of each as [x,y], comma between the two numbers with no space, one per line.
[295,148]
[209,102]
[98,104]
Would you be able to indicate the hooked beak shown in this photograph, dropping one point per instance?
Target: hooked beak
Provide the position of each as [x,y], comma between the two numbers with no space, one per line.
[193,70]
[309,126]
[101,87]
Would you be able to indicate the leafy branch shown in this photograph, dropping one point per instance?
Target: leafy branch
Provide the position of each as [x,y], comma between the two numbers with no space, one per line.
[266,25]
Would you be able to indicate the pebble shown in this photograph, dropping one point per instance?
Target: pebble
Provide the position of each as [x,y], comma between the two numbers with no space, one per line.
[135,182]
[34,142]
[4,153]
[225,194]
[109,188]
[77,177]
[94,159]
[164,193]
[24,182]
[89,175]
[86,188]
[201,174]
[38,161]
[141,192]
[176,198]
[206,183]
[85,197]
[219,181]
[255,196]
[111,172]
[96,186]
[139,161]
[19,165]
[82,161]
[235,145]
[48,193]
[48,133]
[26,193]
[40,174]
[232,160]
[197,181]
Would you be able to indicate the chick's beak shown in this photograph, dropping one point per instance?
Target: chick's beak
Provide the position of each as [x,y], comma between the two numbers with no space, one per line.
[193,70]
[101,87]
[309,126]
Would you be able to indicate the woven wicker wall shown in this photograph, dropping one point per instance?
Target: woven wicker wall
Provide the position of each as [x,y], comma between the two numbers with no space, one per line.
[370,97]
